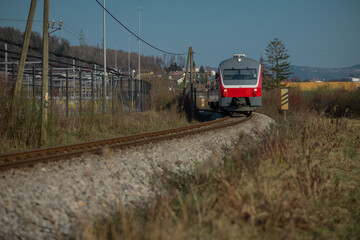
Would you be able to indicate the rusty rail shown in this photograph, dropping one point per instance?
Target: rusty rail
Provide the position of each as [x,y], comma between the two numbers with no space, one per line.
[31,157]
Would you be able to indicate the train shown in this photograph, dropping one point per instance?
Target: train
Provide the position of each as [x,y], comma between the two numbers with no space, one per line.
[236,87]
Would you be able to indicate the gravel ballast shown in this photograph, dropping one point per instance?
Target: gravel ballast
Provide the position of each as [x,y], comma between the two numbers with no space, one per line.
[54,200]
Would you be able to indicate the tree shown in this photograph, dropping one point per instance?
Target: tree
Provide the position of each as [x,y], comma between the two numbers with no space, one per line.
[201,70]
[173,67]
[277,58]
[202,74]
[267,79]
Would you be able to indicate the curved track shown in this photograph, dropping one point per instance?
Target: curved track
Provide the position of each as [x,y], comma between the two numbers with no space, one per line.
[31,157]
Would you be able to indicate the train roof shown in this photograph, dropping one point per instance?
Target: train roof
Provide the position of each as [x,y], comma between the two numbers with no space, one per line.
[237,62]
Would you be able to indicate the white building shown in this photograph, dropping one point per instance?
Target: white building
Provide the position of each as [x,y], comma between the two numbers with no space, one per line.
[354,79]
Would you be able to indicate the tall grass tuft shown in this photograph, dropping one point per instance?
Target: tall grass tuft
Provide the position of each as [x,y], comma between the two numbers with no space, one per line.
[24,130]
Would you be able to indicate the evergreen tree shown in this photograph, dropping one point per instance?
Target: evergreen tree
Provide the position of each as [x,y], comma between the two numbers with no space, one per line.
[277,58]
[201,70]
[173,67]
[267,79]
[202,77]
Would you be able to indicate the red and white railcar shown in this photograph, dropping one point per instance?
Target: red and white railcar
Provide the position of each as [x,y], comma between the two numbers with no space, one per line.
[237,85]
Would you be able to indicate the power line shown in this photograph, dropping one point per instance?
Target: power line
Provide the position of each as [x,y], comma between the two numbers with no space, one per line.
[56,55]
[77,33]
[77,36]
[69,29]
[137,35]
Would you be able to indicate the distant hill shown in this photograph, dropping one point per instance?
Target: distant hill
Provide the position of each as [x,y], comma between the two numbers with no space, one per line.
[325,74]
[356,66]
[63,47]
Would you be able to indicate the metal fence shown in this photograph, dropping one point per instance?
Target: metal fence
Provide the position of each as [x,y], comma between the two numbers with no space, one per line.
[77,90]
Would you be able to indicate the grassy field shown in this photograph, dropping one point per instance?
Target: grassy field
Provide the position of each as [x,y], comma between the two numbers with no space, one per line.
[66,130]
[301,181]
[312,86]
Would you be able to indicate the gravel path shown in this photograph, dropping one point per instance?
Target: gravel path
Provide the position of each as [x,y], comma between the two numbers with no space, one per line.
[50,201]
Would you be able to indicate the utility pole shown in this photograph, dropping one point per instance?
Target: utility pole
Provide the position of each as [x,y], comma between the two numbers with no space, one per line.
[139,60]
[95,73]
[192,76]
[115,60]
[45,88]
[6,64]
[129,55]
[186,73]
[190,60]
[132,79]
[73,78]
[139,43]
[21,65]
[27,35]
[104,38]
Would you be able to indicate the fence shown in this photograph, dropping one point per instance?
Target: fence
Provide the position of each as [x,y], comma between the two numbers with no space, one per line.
[79,90]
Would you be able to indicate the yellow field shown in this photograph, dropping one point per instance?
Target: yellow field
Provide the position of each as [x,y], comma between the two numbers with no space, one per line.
[307,86]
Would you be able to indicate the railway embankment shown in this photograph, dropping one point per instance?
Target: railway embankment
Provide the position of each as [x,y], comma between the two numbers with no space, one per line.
[51,201]
[301,181]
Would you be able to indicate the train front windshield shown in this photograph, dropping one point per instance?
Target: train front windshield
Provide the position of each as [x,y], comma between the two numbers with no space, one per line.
[240,76]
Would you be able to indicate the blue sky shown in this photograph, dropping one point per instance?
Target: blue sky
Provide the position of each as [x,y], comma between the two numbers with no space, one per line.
[317,33]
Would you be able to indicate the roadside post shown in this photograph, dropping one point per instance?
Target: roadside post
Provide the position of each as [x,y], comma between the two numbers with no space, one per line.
[285,101]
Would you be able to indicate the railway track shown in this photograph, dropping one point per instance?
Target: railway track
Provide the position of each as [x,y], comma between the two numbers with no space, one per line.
[32,157]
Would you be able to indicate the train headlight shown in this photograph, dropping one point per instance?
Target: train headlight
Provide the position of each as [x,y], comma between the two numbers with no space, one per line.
[225,92]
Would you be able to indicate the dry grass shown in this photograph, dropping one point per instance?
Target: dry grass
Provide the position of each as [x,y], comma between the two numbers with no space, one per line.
[91,127]
[300,182]
[335,103]
[65,130]
[313,86]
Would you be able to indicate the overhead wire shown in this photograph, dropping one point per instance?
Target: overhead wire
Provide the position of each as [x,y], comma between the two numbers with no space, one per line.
[59,56]
[150,45]
[65,26]
[74,32]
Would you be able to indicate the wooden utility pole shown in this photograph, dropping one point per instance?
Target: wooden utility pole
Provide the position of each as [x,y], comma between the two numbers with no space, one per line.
[20,72]
[186,73]
[45,90]
[190,61]
[24,51]
[191,87]
[187,66]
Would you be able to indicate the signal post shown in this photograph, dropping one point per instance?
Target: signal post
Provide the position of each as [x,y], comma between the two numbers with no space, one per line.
[285,101]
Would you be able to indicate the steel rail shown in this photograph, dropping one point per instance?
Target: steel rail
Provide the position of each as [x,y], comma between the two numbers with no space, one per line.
[32,157]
